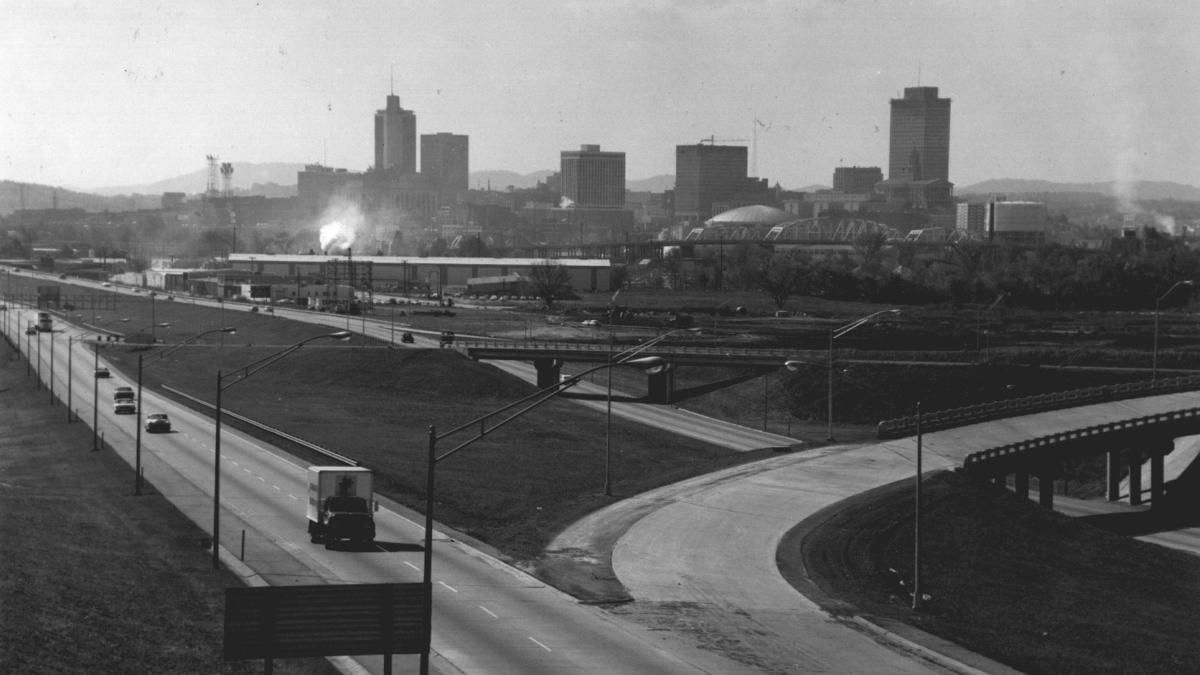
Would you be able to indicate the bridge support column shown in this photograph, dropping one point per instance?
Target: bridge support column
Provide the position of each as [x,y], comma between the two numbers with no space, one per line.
[1156,479]
[548,372]
[1046,487]
[1113,475]
[1021,484]
[1135,477]
[661,385]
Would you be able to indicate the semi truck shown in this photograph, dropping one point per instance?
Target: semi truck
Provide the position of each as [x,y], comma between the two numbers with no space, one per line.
[341,504]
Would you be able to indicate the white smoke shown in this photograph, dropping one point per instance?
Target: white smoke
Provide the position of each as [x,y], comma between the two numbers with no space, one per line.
[566,203]
[336,235]
[343,221]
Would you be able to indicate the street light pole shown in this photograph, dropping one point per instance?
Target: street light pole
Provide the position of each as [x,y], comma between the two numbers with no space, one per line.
[833,335]
[1157,302]
[39,360]
[241,374]
[70,370]
[916,600]
[95,396]
[51,367]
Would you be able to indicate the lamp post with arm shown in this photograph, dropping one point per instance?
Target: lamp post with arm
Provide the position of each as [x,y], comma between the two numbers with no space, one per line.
[240,375]
[137,453]
[1157,302]
[833,335]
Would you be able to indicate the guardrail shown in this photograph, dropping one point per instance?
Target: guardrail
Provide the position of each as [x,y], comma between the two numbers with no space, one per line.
[595,347]
[1092,433]
[271,430]
[994,410]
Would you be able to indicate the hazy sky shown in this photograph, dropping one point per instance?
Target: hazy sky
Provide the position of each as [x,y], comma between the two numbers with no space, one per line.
[114,93]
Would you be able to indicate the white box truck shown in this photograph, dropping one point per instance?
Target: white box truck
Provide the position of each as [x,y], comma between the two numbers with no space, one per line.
[341,504]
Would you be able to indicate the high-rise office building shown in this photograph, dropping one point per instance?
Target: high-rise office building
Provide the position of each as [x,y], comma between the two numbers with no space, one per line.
[395,137]
[444,159]
[705,174]
[919,148]
[592,178]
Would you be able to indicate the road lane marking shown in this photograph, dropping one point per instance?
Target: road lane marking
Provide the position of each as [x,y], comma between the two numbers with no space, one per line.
[277,487]
[535,641]
[489,612]
[293,496]
[412,566]
[448,586]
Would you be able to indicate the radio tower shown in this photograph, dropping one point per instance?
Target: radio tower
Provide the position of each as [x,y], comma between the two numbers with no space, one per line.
[226,180]
[211,189]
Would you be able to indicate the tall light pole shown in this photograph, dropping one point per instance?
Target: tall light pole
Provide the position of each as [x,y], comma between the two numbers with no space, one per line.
[52,368]
[38,370]
[70,386]
[95,396]
[137,471]
[916,600]
[241,374]
[833,335]
[1157,302]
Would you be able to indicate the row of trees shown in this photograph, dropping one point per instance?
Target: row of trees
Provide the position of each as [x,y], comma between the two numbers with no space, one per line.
[1051,276]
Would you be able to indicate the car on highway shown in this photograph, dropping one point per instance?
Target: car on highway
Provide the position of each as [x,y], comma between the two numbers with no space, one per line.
[125,407]
[158,422]
[101,372]
[31,331]
[406,338]
[123,394]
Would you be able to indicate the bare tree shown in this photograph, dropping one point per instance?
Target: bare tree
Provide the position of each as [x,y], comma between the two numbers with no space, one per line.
[550,282]
[780,276]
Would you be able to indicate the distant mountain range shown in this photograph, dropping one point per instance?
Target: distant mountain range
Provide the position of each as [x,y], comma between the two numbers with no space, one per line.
[278,179]
[245,176]
[1137,190]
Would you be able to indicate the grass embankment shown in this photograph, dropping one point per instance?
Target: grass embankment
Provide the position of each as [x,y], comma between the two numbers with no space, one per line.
[94,579]
[514,489]
[1026,586]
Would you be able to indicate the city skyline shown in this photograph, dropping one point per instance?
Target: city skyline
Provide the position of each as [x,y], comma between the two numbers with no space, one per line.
[100,96]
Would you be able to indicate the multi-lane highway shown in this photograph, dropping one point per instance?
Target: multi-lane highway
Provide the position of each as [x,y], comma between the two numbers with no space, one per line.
[488,617]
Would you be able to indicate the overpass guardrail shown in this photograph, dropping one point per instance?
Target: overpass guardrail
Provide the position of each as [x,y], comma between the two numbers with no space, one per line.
[1185,421]
[993,410]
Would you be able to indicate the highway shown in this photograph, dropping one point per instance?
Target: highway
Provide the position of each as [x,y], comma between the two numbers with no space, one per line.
[488,617]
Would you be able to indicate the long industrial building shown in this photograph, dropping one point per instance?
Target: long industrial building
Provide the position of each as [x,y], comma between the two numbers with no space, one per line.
[395,272]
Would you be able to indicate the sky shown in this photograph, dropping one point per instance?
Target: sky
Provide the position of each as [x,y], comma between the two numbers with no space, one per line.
[96,94]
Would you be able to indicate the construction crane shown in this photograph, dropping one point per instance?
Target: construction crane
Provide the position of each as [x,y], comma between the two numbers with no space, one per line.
[712,140]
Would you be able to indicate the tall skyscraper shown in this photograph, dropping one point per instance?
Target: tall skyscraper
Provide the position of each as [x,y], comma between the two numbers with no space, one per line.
[705,174]
[920,136]
[444,159]
[395,137]
[593,179]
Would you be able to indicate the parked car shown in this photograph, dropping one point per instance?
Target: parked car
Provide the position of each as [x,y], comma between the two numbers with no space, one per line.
[123,394]
[158,422]
[125,407]
[101,372]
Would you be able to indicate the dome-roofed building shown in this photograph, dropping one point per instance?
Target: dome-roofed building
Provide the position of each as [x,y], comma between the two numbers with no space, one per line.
[755,214]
